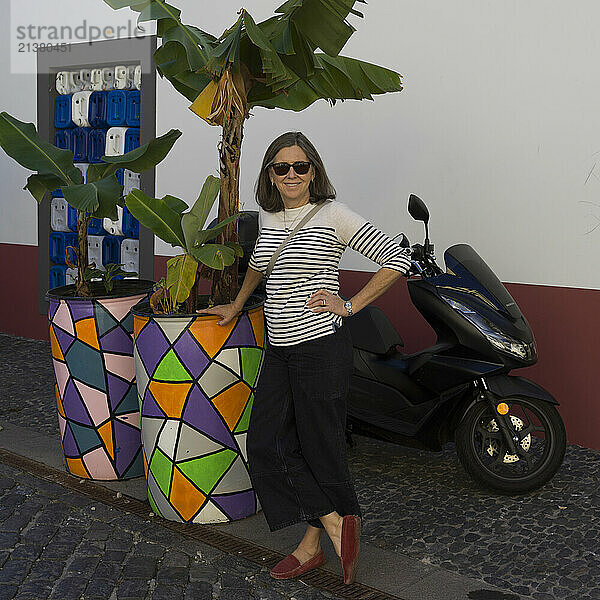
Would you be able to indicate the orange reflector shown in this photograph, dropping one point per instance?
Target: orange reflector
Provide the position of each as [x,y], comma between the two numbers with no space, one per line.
[502,408]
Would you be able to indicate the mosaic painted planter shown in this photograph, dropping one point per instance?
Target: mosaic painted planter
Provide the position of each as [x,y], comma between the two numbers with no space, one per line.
[195,383]
[92,351]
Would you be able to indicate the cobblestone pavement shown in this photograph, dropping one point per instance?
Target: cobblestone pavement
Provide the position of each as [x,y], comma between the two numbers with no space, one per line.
[544,544]
[61,545]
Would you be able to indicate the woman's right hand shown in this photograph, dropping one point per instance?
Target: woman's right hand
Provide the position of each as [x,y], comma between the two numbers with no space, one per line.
[227,311]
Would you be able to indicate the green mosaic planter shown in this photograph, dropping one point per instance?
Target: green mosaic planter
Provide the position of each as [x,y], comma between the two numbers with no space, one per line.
[195,383]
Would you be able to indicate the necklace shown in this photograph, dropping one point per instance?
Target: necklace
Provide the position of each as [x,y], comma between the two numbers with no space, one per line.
[288,228]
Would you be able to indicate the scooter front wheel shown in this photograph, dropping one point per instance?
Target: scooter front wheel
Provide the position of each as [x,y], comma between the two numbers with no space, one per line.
[540,445]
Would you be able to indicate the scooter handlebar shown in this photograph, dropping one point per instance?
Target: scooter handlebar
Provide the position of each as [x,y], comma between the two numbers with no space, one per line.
[423,260]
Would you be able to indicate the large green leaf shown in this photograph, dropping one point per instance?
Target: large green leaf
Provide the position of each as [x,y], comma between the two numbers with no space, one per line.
[170,59]
[171,27]
[99,197]
[97,171]
[194,80]
[206,199]
[323,22]
[278,75]
[110,193]
[278,31]
[338,78]
[195,43]
[157,215]
[22,143]
[175,203]
[210,234]
[190,226]
[227,50]
[148,9]
[181,276]
[237,248]
[145,157]
[39,185]
[216,256]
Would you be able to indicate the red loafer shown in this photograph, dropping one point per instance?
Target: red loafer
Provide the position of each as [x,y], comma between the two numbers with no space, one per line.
[291,567]
[350,549]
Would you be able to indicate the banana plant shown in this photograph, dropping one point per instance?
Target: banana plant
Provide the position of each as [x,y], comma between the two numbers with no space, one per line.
[271,64]
[168,220]
[55,169]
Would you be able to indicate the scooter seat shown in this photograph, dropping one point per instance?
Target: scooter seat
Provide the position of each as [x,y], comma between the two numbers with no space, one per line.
[372,331]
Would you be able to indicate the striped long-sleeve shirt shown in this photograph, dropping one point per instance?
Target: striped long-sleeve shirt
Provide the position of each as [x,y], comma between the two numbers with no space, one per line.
[309,262]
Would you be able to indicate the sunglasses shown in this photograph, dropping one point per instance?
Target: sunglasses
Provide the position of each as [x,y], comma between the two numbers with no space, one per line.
[301,167]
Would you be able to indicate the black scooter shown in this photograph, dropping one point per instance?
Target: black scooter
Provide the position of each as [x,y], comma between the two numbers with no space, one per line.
[509,435]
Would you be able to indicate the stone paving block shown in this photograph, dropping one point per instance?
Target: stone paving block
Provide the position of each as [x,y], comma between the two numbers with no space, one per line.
[172,576]
[69,588]
[200,550]
[308,594]
[236,563]
[58,550]
[75,499]
[8,539]
[140,567]
[107,570]
[47,570]
[6,483]
[133,589]
[175,559]
[169,592]
[266,594]
[130,522]
[15,571]
[100,587]
[26,552]
[119,543]
[91,548]
[7,591]
[149,549]
[82,566]
[68,535]
[203,573]
[101,512]
[234,594]
[198,590]
[99,531]
[35,590]
[229,580]
[38,534]
[160,535]
[53,513]
[441,585]
[15,522]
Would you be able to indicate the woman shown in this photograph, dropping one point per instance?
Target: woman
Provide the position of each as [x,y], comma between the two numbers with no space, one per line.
[296,438]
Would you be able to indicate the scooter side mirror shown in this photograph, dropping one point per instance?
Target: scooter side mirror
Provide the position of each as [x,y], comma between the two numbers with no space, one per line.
[417,209]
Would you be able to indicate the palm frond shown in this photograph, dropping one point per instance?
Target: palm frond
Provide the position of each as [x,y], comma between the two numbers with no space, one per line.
[338,78]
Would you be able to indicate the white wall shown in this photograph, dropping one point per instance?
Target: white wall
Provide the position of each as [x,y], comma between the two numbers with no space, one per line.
[497,130]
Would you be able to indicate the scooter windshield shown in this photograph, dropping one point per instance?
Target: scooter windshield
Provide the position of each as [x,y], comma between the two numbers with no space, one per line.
[476,277]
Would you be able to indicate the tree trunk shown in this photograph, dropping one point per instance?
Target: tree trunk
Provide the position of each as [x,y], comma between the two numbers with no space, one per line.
[83,221]
[225,283]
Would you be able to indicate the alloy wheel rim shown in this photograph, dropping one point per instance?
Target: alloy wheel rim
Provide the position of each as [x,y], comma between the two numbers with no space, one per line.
[535,440]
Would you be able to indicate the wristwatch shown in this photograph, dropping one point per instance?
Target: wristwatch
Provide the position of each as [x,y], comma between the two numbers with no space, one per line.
[348,307]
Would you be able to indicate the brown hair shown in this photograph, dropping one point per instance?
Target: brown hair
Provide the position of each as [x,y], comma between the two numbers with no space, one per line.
[267,195]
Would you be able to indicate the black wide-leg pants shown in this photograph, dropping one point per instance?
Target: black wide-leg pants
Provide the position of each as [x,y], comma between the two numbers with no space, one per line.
[296,439]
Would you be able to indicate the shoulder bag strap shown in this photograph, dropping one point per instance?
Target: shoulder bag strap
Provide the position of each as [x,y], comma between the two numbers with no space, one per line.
[306,218]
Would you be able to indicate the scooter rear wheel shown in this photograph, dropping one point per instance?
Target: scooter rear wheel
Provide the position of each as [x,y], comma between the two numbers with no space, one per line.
[484,453]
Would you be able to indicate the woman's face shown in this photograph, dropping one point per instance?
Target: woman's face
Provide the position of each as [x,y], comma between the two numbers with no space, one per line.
[292,187]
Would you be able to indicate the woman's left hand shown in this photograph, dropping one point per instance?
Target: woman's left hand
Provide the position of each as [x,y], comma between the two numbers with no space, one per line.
[324,301]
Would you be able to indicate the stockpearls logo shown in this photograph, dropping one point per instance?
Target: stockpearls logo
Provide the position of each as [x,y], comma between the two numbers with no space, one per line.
[55,26]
